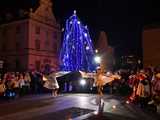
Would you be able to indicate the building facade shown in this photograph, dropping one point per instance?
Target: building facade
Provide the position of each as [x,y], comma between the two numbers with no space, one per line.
[131,62]
[106,52]
[31,42]
[151,47]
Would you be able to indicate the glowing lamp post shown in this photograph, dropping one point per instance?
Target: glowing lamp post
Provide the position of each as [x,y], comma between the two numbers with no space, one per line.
[96,51]
[82,82]
[97,59]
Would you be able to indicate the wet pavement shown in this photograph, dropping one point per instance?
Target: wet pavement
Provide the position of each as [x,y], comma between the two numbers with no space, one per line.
[72,106]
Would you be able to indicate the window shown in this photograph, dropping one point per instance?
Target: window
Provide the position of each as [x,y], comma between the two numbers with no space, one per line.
[37,44]
[37,65]
[37,30]
[47,39]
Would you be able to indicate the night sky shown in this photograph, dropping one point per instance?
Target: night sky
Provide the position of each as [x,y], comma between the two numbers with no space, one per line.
[122,20]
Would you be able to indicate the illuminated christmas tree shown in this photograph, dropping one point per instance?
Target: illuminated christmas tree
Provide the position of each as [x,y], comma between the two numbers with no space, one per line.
[77,50]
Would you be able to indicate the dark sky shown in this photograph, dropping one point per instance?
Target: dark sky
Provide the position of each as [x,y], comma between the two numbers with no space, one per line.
[123,20]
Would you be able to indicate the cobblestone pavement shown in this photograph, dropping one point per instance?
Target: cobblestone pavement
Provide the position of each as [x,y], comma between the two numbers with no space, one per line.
[74,106]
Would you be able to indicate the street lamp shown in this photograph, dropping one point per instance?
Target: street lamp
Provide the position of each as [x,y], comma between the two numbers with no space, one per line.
[82,82]
[96,51]
[97,59]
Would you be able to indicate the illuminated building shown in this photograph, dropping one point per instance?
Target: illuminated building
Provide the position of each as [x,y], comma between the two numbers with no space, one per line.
[31,39]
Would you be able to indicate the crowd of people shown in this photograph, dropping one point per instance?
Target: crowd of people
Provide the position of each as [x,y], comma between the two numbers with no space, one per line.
[142,86]
[145,86]
[16,84]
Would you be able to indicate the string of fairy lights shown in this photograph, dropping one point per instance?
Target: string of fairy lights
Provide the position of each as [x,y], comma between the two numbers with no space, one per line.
[77,49]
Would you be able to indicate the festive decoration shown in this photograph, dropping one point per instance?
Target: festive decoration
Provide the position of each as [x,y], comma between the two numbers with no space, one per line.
[77,50]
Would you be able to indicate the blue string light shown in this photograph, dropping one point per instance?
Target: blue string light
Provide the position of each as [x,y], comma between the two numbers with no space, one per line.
[77,49]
